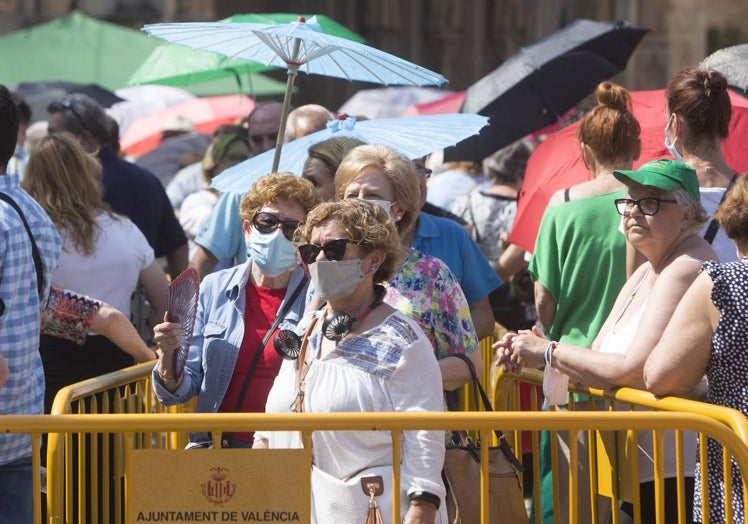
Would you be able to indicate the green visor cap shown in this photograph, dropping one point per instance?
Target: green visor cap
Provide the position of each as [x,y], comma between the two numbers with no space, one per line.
[665,174]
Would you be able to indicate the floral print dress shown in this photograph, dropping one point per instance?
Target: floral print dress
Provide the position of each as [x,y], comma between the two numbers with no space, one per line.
[426,290]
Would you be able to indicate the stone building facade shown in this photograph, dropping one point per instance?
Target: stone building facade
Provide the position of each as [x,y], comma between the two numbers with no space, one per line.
[462,39]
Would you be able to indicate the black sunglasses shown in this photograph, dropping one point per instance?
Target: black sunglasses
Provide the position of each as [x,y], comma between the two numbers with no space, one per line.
[266,223]
[67,105]
[648,206]
[334,250]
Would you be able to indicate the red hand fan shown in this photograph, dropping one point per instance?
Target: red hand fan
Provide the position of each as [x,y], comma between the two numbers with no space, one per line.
[183,294]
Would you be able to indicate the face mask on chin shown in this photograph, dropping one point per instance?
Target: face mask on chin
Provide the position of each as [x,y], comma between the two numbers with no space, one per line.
[273,253]
[336,279]
[671,145]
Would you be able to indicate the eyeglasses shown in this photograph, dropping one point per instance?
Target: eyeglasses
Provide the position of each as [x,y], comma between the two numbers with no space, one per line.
[266,223]
[334,250]
[67,105]
[648,206]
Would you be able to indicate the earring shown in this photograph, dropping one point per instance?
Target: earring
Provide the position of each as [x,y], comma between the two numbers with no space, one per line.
[373,268]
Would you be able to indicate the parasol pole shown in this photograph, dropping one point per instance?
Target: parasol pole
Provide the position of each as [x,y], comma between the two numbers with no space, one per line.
[293,66]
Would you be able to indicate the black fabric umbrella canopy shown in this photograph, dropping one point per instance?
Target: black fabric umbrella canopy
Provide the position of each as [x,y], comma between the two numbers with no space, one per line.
[539,83]
[40,94]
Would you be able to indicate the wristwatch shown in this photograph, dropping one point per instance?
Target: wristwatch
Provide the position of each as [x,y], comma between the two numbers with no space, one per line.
[425,496]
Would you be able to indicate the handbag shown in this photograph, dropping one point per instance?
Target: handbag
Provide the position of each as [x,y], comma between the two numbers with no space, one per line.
[462,474]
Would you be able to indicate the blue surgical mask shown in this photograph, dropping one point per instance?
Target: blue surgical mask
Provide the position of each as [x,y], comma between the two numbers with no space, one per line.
[273,253]
[671,145]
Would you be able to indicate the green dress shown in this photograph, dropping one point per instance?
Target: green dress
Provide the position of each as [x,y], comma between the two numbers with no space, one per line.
[580,258]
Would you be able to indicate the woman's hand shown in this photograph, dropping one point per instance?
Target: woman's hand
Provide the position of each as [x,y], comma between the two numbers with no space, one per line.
[168,336]
[503,352]
[420,512]
[528,348]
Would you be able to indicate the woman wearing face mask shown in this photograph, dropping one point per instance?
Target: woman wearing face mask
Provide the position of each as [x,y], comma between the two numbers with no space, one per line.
[359,354]
[237,310]
[698,116]
[423,287]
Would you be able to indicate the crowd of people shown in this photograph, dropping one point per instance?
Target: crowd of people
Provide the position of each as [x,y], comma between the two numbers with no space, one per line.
[352,285]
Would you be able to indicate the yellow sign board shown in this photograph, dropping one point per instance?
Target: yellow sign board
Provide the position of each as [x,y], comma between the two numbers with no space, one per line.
[218,485]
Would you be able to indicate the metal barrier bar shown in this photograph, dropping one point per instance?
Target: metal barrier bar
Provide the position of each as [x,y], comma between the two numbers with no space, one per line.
[506,392]
[485,422]
[124,391]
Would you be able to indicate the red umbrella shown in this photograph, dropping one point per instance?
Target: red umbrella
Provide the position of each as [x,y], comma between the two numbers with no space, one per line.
[207,113]
[557,162]
[447,104]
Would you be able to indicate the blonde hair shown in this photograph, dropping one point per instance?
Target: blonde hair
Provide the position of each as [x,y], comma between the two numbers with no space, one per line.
[732,213]
[366,223]
[66,181]
[400,171]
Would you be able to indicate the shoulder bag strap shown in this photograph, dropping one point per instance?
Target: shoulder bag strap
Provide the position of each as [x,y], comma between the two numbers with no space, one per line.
[470,210]
[711,231]
[34,249]
[279,317]
[506,449]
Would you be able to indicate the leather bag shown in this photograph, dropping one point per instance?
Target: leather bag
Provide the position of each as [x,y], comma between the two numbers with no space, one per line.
[462,475]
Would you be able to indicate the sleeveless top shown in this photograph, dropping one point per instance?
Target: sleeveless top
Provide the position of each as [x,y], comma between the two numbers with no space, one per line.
[727,373]
[617,340]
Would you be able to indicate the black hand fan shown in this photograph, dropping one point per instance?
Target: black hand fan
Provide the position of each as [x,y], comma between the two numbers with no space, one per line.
[183,294]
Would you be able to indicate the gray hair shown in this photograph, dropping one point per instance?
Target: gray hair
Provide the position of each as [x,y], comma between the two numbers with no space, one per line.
[684,200]
[314,115]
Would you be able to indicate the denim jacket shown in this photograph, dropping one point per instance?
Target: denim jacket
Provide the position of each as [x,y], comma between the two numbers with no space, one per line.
[218,334]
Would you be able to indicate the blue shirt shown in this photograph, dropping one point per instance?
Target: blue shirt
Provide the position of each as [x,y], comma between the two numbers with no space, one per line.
[23,393]
[136,193]
[222,233]
[218,335]
[446,239]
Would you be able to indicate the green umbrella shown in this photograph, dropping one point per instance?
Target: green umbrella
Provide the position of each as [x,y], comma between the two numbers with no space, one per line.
[179,66]
[74,48]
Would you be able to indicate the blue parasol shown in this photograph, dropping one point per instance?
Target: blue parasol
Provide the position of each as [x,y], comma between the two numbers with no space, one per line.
[413,136]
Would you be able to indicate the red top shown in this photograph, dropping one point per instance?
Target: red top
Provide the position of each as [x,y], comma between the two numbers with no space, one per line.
[261,307]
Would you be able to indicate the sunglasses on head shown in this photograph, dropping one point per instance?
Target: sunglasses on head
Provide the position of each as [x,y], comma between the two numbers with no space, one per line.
[67,105]
[266,223]
[334,250]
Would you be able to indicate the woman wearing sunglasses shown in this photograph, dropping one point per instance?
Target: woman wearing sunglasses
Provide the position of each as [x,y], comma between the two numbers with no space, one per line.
[359,354]
[662,215]
[232,363]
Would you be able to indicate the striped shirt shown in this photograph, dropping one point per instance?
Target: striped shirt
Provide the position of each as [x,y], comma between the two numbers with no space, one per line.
[23,393]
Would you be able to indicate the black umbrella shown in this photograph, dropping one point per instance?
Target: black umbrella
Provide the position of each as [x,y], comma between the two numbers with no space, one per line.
[539,83]
[40,94]
[169,156]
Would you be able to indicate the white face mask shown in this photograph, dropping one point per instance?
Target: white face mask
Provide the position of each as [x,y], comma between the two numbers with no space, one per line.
[671,145]
[336,279]
[273,253]
[384,204]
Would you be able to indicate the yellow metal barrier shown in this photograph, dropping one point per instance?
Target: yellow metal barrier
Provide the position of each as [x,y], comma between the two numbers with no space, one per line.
[77,463]
[130,427]
[613,475]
